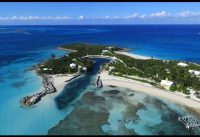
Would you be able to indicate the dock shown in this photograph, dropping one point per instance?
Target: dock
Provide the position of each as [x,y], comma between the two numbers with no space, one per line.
[98,82]
[189,122]
[77,75]
[48,89]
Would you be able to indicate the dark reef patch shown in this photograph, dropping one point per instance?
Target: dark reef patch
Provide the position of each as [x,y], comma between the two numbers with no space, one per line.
[132,94]
[19,84]
[112,92]
[130,113]
[84,120]
[112,86]
[91,97]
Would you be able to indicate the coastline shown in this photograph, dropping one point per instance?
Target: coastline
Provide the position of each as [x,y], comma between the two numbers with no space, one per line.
[133,55]
[59,80]
[65,49]
[148,89]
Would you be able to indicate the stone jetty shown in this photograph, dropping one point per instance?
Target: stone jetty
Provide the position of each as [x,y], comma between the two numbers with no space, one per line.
[48,89]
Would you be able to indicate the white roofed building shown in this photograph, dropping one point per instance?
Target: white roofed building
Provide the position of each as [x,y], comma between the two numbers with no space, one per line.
[45,68]
[104,51]
[166,84]
[84,68]
[182,64]
[195,72]
[73,65]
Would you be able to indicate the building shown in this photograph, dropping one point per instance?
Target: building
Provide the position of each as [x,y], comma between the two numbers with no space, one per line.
[195,72]
[182,64]
[72,65]
[110,47]
[45,68]
[85,68]
[166,84]
[105,51]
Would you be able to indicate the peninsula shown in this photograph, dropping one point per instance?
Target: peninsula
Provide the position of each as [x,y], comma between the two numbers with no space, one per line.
[56,72]
[174,77]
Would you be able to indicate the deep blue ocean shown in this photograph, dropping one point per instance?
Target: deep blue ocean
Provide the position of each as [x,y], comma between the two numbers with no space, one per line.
[24,46]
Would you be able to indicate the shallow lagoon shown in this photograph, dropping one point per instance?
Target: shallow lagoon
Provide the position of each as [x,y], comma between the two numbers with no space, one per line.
[122,114]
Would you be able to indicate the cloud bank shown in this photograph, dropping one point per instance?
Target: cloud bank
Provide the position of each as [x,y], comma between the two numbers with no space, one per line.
[162,17]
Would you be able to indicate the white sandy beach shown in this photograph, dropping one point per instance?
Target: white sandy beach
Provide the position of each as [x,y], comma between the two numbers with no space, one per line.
[59,80]
[132,55]
[148,89]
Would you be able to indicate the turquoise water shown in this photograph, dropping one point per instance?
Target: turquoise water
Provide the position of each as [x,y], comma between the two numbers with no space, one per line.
[19,51]
[155,117]
[16,84]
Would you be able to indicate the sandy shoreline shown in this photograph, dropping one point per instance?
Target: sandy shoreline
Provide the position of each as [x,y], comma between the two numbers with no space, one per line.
[148,89]
[59,80]
[59,83]
[133,55]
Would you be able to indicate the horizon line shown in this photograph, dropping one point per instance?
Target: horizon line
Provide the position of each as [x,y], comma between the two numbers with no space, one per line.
[92,24]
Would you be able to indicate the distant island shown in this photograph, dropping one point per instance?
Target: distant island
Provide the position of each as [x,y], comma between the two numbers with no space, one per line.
[179,77]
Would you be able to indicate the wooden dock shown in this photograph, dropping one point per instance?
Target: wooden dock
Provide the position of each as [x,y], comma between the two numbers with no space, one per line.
[189,122]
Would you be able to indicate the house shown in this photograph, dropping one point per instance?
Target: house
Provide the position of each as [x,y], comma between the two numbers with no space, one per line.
[166,84]
[72,65]
[182,64]
[105,51]
[195,72]
[45,68]
[85,68]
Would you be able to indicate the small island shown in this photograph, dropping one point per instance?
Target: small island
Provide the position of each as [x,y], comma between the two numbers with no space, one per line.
[182,78]
[73,65]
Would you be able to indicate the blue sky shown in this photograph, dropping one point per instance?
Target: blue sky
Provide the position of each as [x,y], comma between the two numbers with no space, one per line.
[40,13]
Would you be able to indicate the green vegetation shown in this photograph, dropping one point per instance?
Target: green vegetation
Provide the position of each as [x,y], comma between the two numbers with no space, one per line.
[62,65]
[158,70]
[153,70]
[173,88]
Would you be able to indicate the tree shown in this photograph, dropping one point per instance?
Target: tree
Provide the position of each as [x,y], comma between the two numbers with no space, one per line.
[173,88]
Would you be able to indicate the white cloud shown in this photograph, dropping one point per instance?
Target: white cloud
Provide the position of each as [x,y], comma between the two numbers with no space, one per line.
[188,14]
[131,16]
[81,17]
[107,17]
[160,14]
[142,16]
[27,18]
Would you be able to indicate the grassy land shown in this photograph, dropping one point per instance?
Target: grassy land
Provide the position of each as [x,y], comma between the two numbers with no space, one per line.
[158,70]
[62,65]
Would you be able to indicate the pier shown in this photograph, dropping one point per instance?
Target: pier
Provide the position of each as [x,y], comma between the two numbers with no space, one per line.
[98,82]
[189,122]
[48,89]
[77,75]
